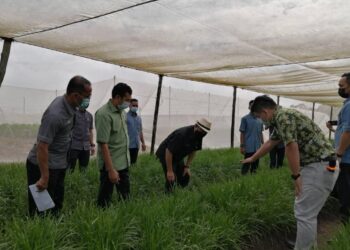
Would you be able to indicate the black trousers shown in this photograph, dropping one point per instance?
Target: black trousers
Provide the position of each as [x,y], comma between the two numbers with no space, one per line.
[276,157]
[82,155]
[55,187]
[106,187]
[133,155]
[180,179]
[249,166]
[343,190]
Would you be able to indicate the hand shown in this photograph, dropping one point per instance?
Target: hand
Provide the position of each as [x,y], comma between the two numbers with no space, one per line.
[113,176]
[170,176]
[248,160]
[42,183]
[92,151]
[329,126]
[297,185]
[242,150]
[187,171]
[143,147]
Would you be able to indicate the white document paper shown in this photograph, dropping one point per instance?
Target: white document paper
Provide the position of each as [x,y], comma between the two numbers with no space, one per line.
[42,199]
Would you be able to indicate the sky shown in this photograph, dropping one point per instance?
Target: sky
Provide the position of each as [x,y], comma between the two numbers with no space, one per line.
[35,67]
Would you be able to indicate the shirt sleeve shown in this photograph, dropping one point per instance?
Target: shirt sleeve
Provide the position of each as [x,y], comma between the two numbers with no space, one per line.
[287,128]
[346,118]
[50,125]
[140,124]
[103,125]
[243,126]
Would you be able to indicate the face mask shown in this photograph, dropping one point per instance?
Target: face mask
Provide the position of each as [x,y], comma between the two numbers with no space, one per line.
[341,93]
[134,109]
[124,105]
[85,103]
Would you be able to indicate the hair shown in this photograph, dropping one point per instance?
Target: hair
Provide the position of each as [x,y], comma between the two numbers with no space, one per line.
[263,102]
[347,76]
[134,100]
[77,84]
[121,89]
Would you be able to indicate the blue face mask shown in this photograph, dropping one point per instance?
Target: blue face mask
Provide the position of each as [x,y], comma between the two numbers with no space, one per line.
[124,105]
[134,109]
[85,103]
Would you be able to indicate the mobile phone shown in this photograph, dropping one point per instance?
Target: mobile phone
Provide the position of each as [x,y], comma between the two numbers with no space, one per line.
[333,123]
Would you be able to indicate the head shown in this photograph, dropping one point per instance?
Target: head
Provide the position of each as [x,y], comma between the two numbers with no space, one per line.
[78,92]
[264,107]
[121,95]
[134,105]
[344,85]
[250,104]
[202,127]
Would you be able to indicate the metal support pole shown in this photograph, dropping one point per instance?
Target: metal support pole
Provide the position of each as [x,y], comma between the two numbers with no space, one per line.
[330,118]
[278,100]
[6,49]
[233,116]
[155,119]
[313,111]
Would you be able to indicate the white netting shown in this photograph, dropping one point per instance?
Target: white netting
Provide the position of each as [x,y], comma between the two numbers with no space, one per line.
[20,107]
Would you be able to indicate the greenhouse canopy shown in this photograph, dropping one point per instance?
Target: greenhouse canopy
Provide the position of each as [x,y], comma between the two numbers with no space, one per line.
[291,48]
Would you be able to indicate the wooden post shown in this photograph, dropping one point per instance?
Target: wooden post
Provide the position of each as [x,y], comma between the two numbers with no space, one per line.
[155,119]
[278,100]
[330,118]
[233,116]
[6,49]
[313,111]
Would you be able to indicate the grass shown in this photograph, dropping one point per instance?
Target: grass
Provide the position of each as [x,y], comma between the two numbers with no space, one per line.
[219,210]
[19,130]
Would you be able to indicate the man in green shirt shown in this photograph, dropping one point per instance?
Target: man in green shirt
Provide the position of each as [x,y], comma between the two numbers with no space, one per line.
[311,160]
[113,148]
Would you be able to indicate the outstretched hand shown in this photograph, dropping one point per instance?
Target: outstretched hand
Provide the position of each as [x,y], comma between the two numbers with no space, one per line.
[247,160]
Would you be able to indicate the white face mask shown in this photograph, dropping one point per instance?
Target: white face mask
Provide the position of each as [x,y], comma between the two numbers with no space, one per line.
[134,109]
[124,105]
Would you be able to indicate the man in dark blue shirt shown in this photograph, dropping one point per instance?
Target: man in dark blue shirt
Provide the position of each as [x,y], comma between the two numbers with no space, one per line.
[251,139]
[82,144]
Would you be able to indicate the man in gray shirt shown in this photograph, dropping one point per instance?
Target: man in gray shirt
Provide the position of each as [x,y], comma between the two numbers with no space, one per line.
[47,161]
[82,144]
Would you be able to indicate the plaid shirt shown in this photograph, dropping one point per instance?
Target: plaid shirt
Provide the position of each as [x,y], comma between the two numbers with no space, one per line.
[292,126]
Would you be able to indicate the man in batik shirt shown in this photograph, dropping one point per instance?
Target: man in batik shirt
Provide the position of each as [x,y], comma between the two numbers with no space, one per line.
[311,159]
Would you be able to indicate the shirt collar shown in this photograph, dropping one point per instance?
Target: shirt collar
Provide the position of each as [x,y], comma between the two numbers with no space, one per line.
[132,113]
[347,100]
[273,120]
[112,107]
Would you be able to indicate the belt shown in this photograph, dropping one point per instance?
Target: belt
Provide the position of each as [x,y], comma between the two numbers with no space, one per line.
[325,159]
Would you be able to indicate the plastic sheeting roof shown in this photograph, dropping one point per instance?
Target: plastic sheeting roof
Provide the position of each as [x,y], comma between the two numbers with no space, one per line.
[291,48]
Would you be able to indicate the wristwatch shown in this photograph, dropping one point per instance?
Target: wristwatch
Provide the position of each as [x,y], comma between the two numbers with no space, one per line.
[295,177]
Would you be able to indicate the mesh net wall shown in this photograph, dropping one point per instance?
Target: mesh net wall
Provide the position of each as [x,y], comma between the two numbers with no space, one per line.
[21,110]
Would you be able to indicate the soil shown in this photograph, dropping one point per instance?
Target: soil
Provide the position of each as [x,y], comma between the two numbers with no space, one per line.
[328,226]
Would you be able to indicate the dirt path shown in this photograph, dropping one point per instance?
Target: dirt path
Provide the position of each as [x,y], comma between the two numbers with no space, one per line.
[328,226]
